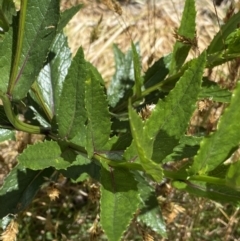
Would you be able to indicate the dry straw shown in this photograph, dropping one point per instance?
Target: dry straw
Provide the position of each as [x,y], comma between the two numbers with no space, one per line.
[151,23]
[10,234]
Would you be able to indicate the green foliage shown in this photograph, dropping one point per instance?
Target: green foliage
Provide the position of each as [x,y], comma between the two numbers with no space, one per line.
[119,201]
[227,137]
[20,187]
[113,135]
[186,29]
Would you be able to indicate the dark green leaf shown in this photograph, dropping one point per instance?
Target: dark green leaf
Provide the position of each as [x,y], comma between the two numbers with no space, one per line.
[71,116]
[188,147]
[39,31]
[80,166]
[19,188]
[158,71]
[119,201]
[216,148]
[45,154]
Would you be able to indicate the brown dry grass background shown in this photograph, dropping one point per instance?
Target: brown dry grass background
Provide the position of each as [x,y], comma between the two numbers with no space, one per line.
[151,23]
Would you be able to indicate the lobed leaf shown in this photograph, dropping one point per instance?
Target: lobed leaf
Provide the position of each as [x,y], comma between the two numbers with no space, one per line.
[119,201]
[216,148]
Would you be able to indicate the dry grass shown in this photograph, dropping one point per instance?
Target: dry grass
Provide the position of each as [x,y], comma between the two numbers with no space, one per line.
[152,25]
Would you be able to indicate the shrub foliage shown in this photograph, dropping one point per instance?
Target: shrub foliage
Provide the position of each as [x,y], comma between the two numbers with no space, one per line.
[127,137]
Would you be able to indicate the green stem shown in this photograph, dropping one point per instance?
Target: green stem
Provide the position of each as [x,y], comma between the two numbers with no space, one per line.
[17,56]
[208,179]
[19,125]
[37,92]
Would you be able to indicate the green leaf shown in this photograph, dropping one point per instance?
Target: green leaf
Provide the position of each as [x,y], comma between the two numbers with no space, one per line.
[144,146]
[150,213]
[233,175]
[120,88]
[188,147]
[71,116]
[7,11]
[233,41]
[169,119]
[45,154]
[119,201]
[219,193]
[215,148]
[51,78]
[6,135]
[186,29]
[99,125]
[131,154]
[67,15]
[80,166]
[218,42]
[19,188]
[38,24]
[214,92]
[137,71]
[5,59]
[158,71]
